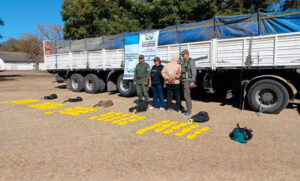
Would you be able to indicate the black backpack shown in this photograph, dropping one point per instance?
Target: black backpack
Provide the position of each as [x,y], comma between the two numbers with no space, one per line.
[77,99]
[201,117]
[52,96]
[245,131]
[139,108]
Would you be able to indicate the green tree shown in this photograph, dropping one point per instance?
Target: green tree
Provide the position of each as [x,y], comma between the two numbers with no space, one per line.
[290,4]
[236,7]
[85,18]
[140,10]
[164,13]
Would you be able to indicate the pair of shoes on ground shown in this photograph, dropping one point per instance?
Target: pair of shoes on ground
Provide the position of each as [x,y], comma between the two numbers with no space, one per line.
[151,107]
[183,114]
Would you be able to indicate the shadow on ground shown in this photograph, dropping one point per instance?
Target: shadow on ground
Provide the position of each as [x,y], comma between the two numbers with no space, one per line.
[113,92]
[197,95]
[205,97]
[218,97]
[294,106]
[61,87]
[8,77]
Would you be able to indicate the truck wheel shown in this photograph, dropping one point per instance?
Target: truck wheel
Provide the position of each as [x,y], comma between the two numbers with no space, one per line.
[125,87]
[91,83]
[268,96]
[68,83]
[77,82]
[102,85]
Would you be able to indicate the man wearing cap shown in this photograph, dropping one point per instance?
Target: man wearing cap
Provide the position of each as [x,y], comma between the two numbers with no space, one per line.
[188,79]
[141,79]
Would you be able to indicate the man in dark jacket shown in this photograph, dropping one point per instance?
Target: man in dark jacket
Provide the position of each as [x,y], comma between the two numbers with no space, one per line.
[141,79]
[188,79]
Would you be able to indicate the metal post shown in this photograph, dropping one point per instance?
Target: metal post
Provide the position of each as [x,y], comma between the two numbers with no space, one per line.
[71,55]
[103,43]
[55,54]
[85,44]
[104,53]
[215,33]
[87,55]
[258,20]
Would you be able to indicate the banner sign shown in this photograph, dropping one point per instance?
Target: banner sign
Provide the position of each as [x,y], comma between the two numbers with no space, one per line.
[148,46]
[131,56]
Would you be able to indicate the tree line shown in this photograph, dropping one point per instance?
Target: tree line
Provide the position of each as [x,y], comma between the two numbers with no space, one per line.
[32,42]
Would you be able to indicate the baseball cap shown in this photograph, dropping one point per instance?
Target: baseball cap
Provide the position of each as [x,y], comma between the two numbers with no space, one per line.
[156,59]
[185,51]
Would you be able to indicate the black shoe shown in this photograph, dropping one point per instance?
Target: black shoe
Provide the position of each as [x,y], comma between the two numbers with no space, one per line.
[140,103]
[146,104]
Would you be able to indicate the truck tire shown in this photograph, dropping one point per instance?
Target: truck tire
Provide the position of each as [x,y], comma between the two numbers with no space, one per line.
[77,82]
[91,83]
[102,85]
[268,96]
[125,87]
[68,83]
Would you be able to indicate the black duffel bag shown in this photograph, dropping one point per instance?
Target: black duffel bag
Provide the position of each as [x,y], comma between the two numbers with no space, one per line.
[139,108]
[77,99]
[201,117]
[52,96]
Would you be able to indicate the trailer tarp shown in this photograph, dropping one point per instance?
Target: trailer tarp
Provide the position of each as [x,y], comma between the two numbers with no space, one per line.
[217,27]
[283,22]
[236,26]
[182,33]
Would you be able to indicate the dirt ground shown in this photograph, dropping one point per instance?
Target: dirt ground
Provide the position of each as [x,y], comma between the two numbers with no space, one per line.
[35,146]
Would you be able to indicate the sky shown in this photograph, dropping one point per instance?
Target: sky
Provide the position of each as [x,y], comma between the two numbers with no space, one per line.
[21,16]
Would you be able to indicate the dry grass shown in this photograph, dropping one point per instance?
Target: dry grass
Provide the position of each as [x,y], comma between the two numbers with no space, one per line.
[35,146]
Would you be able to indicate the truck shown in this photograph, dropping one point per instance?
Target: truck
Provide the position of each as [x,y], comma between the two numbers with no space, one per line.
[255,56]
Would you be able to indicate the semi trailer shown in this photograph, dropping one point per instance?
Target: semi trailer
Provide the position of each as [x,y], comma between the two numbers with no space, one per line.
[256,56]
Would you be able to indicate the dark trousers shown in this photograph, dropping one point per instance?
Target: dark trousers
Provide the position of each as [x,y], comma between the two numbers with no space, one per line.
[173,90]
[158,96]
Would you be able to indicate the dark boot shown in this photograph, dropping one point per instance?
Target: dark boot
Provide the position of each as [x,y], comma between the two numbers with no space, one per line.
[140,103]
[146,104]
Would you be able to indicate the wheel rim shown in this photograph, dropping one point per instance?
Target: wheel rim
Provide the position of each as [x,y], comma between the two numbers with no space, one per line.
[90,84]
[267,97]
[124,85]
[75,83]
